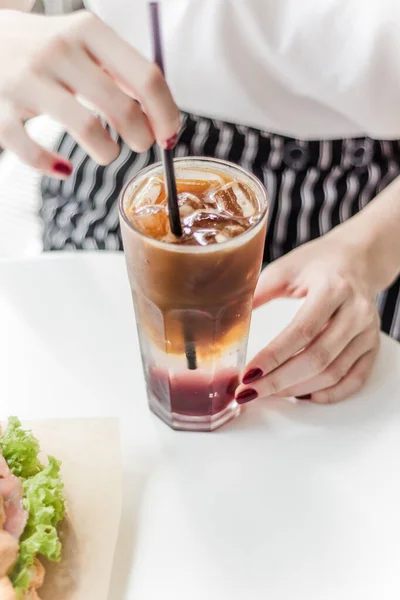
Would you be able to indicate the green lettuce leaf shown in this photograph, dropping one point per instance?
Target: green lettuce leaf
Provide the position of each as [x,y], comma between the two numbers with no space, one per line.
[43,541]
[43,500]
[20,449]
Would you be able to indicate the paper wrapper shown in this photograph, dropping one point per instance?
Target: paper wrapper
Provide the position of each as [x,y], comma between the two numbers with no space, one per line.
[91,470]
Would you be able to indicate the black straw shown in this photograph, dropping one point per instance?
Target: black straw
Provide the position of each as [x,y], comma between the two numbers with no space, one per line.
[190,348]
[167,155]
[169,174]
[172,194]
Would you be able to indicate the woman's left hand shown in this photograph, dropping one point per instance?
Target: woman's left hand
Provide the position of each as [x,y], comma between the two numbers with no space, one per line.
[327,352]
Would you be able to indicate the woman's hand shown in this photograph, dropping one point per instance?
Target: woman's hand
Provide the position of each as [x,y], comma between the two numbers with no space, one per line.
[46,63]
[328,350]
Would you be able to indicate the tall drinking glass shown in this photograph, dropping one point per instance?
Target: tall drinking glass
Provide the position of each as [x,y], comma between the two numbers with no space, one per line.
[193,307]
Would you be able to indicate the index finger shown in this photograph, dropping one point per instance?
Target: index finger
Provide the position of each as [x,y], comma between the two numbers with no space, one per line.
[309,321]
[143,77]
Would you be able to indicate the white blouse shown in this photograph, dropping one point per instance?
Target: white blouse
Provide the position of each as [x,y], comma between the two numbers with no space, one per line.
[304,68]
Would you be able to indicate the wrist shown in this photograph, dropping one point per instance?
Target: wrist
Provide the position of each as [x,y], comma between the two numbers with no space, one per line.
[374,241]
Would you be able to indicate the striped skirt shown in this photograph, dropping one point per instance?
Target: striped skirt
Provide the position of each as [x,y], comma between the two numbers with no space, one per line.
[312,186]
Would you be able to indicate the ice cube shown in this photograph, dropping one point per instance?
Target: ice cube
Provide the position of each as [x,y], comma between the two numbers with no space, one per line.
[233,230]
[208,219]
[197,181]
[254,219]
[152,220]
[209,227]
[188,204]
[221,237]
[199,175]
[204,237]
[235,199]
[148,194]
[204,219]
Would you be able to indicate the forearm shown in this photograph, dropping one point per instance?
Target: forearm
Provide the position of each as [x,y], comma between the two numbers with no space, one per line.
[376,230]
[25,5]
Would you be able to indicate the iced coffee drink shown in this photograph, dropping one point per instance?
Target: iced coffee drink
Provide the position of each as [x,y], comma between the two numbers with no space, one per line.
[193,294]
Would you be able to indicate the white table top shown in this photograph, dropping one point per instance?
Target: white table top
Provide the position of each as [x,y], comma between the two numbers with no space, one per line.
[288,501]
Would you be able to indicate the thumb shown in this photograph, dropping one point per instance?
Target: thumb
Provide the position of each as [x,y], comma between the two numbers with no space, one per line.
[273,283]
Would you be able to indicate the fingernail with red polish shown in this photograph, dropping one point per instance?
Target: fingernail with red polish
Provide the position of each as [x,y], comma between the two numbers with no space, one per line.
[252,375]
[246,396]
[170,143]
[305,397]
[62,168]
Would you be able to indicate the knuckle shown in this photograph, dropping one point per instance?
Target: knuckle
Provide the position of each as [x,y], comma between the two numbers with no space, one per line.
[342,286]
[272,358]
[320,358]
[273,386]
[88,126]
[320,398]
[58,47]
[366,311]
[328,396]
[83,21]
[305,332]
[127,111]
[109,98]
[331,286]
[334,374]
[152,79]
[53,50]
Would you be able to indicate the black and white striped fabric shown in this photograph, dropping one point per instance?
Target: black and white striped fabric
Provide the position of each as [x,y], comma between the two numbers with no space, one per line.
[312,186]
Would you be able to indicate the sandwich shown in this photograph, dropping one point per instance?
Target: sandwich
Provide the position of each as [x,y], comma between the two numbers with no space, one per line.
[32,505]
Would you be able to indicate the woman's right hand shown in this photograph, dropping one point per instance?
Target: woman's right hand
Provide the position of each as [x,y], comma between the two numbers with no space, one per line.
[46,63]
